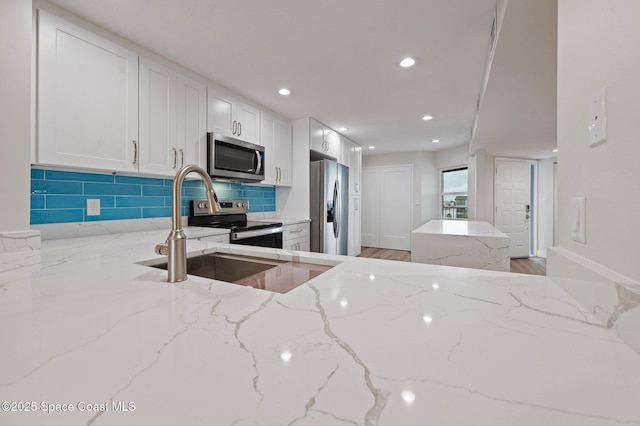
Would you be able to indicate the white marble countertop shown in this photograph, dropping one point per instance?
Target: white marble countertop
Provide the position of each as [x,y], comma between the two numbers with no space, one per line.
[369,342]
[460,227]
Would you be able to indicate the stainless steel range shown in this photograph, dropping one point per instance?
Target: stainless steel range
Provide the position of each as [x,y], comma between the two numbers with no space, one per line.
[233,216]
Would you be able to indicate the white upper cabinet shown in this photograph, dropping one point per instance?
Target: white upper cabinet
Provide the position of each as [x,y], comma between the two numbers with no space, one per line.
[283,151]
[172,119]
[345,151]
[158,149]
[355,169]
[332,143]
[324,140]
[87,99]
[275,136]
[191,122]
[231,117]
[316,141]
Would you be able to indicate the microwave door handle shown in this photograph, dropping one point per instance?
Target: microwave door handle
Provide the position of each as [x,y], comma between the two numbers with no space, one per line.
[259,167]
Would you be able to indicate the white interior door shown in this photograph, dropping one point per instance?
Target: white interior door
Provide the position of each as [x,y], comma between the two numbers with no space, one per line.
[513,198]
[395,208]
[386,207]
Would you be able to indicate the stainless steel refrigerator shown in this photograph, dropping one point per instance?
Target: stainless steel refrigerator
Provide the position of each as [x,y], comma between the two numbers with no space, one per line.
[329,191]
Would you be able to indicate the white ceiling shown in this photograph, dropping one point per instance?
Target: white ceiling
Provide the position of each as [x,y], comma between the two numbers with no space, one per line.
[339,57]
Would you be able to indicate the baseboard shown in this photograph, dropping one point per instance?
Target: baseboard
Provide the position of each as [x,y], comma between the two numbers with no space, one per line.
[611,297]
[19,241]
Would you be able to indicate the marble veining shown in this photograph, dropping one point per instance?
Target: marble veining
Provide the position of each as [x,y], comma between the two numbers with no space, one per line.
[468,244]
[610,297]
[19,241]
[368,342]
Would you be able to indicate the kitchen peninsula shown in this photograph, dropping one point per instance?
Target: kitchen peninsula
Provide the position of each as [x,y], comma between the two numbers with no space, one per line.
[469,244]
[368,342]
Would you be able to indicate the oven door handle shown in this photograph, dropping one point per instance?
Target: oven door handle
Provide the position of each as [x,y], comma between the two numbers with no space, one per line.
[243,235]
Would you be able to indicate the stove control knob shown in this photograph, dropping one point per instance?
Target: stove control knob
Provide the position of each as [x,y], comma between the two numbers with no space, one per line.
[203,206]
[239,205]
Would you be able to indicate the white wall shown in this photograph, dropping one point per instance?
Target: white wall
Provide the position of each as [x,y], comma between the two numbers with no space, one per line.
[425,180]
[545,205]
[598,46]
[15,114]
[452,157]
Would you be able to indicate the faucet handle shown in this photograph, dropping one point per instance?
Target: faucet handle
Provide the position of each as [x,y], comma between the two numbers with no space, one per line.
[162,249]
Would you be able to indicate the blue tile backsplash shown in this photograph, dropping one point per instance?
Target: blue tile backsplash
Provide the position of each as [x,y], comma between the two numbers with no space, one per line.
[59,196]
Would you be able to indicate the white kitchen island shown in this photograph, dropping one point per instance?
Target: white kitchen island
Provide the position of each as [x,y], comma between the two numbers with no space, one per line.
[370,342]
[469,244]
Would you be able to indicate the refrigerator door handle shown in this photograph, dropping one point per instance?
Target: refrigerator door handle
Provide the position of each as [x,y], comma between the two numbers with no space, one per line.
[337,208]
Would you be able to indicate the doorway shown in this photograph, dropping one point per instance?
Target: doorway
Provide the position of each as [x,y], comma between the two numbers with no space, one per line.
[514,204]
[387,207]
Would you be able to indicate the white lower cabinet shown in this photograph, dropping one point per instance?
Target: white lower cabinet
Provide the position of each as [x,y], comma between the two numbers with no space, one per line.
[355,223]
[296,237]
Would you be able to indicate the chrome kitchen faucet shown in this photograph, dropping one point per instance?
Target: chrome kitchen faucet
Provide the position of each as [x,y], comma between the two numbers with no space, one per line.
[175,247]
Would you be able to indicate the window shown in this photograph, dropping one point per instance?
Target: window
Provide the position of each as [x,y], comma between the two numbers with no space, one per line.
[454,185]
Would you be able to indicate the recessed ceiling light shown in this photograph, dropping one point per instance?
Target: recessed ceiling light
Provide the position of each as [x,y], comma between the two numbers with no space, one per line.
[435,141]
[427,117]
[284,91]
[555,150]
[372,147]
[407,62]
[343,129]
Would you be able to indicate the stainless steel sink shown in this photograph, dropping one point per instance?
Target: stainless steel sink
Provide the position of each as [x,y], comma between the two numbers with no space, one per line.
[226,267]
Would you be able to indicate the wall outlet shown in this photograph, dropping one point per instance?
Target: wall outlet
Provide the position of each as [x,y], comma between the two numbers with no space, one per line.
[93,207]
[598,118]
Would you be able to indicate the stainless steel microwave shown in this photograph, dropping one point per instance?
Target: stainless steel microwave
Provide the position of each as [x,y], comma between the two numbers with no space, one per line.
[233,159]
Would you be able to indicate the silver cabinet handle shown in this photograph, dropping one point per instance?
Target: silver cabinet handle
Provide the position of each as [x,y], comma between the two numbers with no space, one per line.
[175,158]
[135,152]
[279,174]
[239,128]
[296,231]
[356,185]
[181,158]
[235,127]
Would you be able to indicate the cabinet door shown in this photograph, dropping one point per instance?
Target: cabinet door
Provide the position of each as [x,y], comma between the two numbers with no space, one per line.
[355,169]
[220,117]
[248,119]
[158,152]
[267,138]
[332,143]
[345,151]
[191,122]
[355,220]
[87,99]
[317,137]
[283,149]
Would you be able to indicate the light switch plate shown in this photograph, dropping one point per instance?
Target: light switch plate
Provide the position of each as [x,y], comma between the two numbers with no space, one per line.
[598,118]
[93,207]
[578,219]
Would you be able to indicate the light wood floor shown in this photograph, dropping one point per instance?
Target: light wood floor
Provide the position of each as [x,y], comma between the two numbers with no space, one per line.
[531,266]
